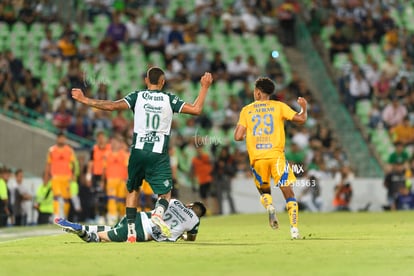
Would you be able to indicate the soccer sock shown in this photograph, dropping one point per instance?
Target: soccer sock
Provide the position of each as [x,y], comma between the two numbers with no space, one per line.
[96,228]
[131,215]
[120,205]
[66,207]
[112,208]
[293,211]
[90,237]
[266,200]
[160,207]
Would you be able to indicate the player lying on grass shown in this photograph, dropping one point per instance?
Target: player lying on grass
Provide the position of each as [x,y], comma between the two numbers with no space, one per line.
[183,220]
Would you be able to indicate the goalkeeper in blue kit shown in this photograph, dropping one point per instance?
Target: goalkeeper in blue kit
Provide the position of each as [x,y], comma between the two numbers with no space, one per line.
[184,221]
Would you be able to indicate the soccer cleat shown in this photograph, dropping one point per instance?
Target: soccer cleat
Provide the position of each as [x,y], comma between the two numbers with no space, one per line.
[68,226]
[272,217]
[294,233]
[165,229]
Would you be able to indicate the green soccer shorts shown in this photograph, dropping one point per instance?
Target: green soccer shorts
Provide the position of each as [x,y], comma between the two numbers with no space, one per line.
[154,167]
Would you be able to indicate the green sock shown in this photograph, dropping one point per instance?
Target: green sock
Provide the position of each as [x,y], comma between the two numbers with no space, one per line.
[131,215]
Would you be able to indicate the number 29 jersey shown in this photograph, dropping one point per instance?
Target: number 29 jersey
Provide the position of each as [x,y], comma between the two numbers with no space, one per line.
[265,129]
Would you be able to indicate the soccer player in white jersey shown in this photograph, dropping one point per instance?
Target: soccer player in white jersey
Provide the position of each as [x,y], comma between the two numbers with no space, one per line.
[184,221]
[153,110]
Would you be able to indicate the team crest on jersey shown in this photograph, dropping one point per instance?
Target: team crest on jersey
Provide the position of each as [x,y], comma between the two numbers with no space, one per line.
[166,183]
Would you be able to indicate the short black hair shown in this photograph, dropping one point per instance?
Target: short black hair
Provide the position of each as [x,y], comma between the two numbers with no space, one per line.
[154,74]
[200,206]
[265,85]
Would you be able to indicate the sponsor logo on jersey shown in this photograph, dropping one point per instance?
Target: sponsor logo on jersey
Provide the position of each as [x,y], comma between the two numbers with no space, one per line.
[150,138]
[149,97]
[152,109]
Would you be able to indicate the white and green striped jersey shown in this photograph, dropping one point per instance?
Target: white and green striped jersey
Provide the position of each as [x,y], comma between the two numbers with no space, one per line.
[180,219]
[153,111]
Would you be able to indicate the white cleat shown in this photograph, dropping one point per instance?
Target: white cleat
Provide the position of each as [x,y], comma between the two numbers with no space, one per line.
[294,233]
[273,222]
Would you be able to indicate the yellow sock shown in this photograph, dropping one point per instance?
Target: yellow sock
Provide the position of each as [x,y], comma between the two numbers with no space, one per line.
[293,211]
[121,208]
[56,208]
[112,208]
[266,200]
[66,207]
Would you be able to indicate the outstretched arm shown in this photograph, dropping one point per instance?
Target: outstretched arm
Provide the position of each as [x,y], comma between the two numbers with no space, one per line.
[302,116]
[78,95]
[197,107]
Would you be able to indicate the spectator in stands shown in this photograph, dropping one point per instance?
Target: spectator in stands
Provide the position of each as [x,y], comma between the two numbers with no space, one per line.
[134,29]
[86,49]
[27,13]
[393,113]
[153,38]
[371,71]
[67,47]
[253,70]
[117,30]
[49,49]
[343,189]
[173,49]
[374,115]
[403,133]
[60,96]
[33,101]
[237,69]
[218,67]
[120,123]
[201,20]
[295,154]
[250,23]
[101,120]
[175,33]
[393,182]
[109,50]
[389,68]
[246,94]
[46,11]
[79,126]
[382,88]
[179,65]
[339,44]
[231,21]
[97,7]
[180,17]
[8,13]
[403,88]
[273,67]
[72,34]
[359,89]
[62,117]
[198,67]
[15,66]
[286,14]
[400,155]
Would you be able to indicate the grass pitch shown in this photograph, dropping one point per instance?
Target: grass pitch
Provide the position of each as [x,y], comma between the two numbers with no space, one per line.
[333,244]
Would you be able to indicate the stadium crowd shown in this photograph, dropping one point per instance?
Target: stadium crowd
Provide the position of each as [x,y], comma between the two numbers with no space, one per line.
[171,32]
[371,43]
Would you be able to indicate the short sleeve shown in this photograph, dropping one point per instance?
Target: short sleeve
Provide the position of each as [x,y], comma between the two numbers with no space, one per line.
[287,112]
[131,99]
[176,103]
[194,231]
[242,119]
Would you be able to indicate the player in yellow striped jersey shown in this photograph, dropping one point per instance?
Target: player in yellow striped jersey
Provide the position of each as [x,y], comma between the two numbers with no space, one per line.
[261,123]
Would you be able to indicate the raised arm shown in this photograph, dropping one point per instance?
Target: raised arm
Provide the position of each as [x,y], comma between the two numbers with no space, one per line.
[77,94]
[302,116]
[197,107]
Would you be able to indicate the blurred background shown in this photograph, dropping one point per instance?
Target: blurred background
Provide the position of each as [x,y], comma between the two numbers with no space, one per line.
[352,60]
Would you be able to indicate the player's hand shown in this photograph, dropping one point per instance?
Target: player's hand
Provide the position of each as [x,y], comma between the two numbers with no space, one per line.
[302,102]
[77,94]
[206,79]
